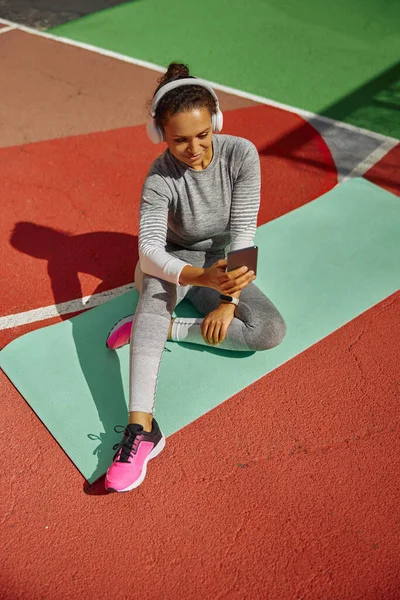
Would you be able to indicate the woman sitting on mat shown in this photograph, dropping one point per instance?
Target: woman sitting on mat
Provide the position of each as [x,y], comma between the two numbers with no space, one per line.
[200,198]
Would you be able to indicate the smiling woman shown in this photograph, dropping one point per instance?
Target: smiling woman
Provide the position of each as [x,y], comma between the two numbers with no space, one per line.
[200,199]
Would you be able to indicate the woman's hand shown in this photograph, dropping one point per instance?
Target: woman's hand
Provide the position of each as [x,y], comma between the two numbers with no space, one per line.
[226,282]
[216,323]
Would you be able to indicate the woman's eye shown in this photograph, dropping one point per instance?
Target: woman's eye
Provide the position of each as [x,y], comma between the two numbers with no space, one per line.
[183,140]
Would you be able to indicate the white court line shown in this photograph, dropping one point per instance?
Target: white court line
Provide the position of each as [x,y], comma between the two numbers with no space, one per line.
[223,88]
[48,312]
[64,308]
[9,28]
[370,160]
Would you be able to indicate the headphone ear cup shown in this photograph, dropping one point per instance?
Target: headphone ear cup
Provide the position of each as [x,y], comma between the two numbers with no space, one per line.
[154,133]
[217,121]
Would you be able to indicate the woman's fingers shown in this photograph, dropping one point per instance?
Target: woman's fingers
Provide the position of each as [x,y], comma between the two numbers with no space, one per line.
[223,332]
[236,273]
[227,282]
[211,332]
[239,276]
[207,331]
[246,277]
[204,330]
[235,285]
[222,262]
[217,334]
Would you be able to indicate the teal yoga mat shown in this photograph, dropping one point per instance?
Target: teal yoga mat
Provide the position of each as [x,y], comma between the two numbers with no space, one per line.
[322,265]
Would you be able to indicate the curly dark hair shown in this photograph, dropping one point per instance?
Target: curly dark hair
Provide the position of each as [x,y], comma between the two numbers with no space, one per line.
[183,98]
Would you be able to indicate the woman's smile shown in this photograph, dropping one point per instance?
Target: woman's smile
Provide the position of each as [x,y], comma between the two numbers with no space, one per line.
[195,156]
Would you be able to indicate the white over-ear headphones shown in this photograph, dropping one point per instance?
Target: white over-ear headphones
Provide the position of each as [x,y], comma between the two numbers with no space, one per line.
[155,133]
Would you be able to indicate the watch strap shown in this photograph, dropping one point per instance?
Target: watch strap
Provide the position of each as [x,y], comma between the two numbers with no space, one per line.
[229,299]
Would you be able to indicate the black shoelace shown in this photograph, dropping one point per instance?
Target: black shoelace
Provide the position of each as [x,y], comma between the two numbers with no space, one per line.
[126,445]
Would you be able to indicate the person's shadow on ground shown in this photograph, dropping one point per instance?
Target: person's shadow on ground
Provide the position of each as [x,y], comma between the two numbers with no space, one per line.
[111,257]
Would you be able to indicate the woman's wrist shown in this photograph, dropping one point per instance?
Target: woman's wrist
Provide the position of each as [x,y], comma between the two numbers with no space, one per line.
[232,305]
[229,307]
[192,276]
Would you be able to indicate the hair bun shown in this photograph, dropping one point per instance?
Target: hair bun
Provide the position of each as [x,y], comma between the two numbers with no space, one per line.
[174,71]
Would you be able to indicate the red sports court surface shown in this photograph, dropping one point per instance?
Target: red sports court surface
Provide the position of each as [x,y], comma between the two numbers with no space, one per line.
[287,490]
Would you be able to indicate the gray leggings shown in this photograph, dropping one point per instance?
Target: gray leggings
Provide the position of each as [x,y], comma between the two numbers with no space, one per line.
[257,325]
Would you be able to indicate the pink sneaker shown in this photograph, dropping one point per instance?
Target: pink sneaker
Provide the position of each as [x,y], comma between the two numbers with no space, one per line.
[133,453]
[120,334]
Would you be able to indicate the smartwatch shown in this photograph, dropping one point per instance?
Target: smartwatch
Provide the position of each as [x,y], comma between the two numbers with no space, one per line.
[229,299]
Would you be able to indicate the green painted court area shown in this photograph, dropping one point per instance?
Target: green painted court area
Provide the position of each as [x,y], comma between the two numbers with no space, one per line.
[322,265]
[339,59]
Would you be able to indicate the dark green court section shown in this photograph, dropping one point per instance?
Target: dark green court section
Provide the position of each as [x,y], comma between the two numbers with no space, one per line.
[335,58]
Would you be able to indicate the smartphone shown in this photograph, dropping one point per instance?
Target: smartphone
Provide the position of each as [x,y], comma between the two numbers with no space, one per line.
[246,257]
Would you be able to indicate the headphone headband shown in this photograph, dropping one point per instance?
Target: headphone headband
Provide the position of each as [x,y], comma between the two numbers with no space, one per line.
[178,83]
[156,133]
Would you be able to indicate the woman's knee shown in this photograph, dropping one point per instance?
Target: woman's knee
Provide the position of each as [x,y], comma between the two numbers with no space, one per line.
[268,334]
[276,332]
[157,296]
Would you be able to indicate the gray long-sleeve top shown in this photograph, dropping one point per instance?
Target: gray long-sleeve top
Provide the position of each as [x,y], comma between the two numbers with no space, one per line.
[199,210]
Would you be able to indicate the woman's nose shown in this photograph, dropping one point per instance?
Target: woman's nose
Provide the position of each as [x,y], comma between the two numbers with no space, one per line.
[194,147]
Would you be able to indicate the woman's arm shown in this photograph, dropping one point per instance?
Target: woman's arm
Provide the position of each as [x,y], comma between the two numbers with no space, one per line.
[245,196]
[154,205]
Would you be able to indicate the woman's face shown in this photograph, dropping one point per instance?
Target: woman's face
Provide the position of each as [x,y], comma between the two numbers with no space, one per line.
[189,137]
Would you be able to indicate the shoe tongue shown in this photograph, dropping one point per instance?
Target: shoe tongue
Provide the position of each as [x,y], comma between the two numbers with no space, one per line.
[126,446]
[135,428]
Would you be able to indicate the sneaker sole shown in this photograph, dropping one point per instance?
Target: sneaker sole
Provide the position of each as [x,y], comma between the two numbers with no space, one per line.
[155,452]
[117,326]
